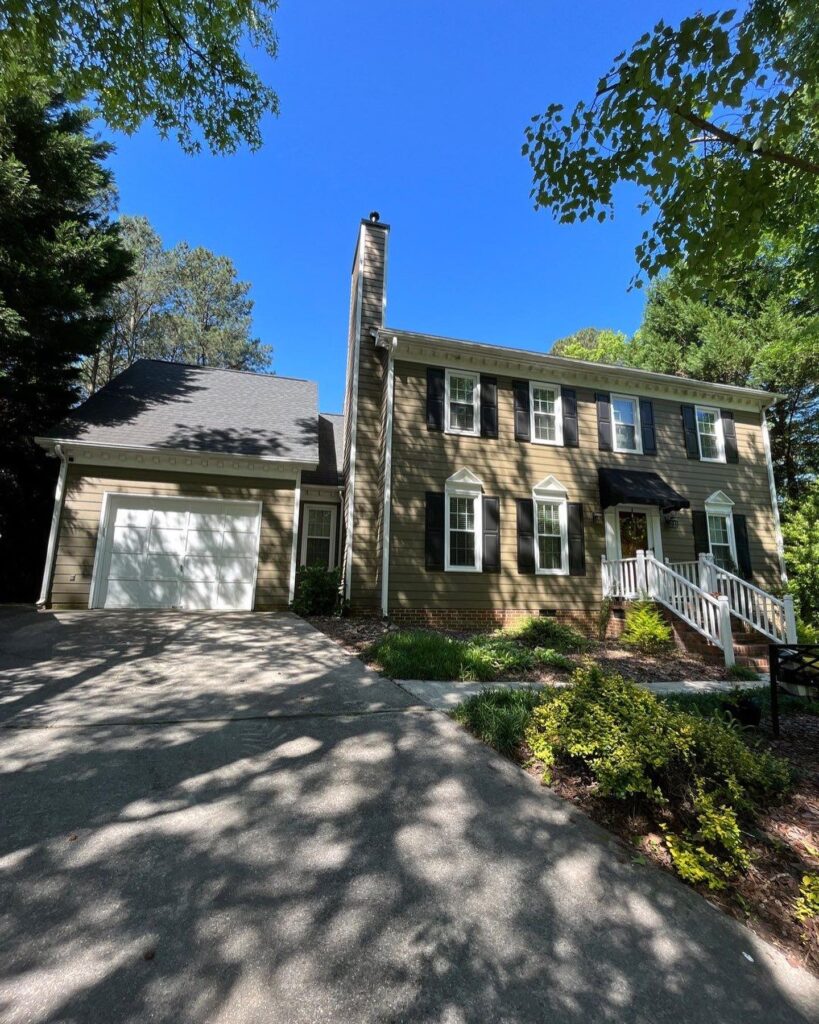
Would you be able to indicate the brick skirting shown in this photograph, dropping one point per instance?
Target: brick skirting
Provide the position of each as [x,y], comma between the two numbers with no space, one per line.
[495,618]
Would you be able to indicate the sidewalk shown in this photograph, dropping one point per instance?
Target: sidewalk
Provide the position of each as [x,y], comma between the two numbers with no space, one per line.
[446,695]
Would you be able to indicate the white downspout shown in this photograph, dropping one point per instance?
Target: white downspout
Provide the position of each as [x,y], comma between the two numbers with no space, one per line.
[294,548]
[385,531]
[54,532]
[780,545]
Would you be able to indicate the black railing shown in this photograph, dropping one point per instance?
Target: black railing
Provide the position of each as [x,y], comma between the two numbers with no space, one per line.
[794,665]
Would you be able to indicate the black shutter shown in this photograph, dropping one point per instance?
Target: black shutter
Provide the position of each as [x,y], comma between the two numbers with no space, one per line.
[491,535]
[729,433]
[700,523]
[434,532]
[521,390]
[489,406]
[647,426]
[577,543]
[743,547]
[568,399]
[689,424]
[436,388]
[603,400]
[526,535]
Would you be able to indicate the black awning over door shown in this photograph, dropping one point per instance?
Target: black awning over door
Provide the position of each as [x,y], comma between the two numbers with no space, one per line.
[634,487]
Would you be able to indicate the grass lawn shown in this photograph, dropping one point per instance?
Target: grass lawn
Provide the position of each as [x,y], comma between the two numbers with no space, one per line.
[729,809]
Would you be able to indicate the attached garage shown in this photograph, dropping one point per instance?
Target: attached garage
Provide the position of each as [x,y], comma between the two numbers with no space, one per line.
[186,553]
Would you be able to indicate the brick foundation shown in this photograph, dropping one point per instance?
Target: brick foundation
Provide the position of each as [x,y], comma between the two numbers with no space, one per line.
[494,618]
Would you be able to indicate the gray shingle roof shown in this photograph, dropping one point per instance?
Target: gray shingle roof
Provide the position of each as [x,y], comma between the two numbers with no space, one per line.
[171,405]
[331,451]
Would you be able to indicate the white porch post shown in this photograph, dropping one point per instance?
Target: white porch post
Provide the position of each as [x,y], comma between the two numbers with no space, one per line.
[604,576]
[642,578]
[708,574]
[725,635]
[790,619]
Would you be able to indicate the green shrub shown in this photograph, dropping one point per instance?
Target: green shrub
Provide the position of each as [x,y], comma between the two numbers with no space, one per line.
[636,745]
[742,672]
[498,717]
[548,657]
[317,590]
[544,631]
[422,654]
[499,651]
[806,906]
[646,629]
[806,633]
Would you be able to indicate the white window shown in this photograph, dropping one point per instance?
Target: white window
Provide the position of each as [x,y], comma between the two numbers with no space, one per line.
[551,528]
[462,402]
[625,415]
[545,413]
[318,542]
[463,524]
[721,538]
[709,433]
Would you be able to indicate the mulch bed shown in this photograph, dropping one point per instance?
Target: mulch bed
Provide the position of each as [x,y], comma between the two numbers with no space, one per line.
[784,847]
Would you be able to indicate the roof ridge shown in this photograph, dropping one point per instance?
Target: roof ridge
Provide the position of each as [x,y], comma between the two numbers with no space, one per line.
[221,369]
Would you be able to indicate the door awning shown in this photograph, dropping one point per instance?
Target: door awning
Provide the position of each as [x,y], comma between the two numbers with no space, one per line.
[633,487]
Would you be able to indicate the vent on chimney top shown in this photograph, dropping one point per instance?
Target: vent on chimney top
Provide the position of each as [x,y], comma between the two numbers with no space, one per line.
[375,217]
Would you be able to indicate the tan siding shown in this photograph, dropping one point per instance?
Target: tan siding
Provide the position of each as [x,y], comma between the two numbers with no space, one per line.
[422,461]
[79,526]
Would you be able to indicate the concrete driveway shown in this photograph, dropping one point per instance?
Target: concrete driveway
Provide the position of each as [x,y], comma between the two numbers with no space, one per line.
[226,819]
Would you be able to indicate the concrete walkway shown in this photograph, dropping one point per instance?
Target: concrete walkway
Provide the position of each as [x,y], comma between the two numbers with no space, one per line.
[446,695]
[228,820]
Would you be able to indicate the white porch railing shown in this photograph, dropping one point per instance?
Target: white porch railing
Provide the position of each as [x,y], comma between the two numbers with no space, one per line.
[646,577]
[769,615]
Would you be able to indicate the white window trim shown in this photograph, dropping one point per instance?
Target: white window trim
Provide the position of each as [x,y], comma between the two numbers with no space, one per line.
[305,535]
[476,403]
[558,441]
[551,490]
[464,484]
[720,436]
[719,504]
[638,426]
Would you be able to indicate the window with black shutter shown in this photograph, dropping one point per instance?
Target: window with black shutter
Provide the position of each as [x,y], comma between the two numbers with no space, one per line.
[603,401]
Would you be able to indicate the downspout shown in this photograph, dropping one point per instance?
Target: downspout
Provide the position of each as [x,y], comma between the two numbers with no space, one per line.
[294,547]
[385,532]
[54,532]
[780,545]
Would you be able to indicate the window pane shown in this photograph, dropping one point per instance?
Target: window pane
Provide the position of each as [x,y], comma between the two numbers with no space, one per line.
[544,410]
[550,557]
[461,399]
[548,518]
[318,551]
[462,531]
[462,513]
[549,541]
[719,537]
[461,548]
[319,522]
[625,423]
[709,436]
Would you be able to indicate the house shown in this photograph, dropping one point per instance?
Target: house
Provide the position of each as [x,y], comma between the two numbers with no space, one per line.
[465,484]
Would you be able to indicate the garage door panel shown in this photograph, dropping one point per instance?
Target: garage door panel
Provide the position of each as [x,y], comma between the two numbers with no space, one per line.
[160,594]
[235,595]
[213,521]
[204,542]
[127,539]
[167,519]
[125,567]
[239,543]
[140,517]
[124,594]
[237,570]
[201,567]
[197,596]
[167,542]
[161,567]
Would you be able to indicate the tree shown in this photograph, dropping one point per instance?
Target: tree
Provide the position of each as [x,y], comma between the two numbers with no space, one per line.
[716,121]
[183,304]
[599,346]
[60,259]
[176,63]
[800,530]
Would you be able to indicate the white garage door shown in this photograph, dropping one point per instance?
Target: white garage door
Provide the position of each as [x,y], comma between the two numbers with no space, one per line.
[178,553]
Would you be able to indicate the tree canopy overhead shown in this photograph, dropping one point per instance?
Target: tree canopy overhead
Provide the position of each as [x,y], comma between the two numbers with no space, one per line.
[716,121]
[177,63]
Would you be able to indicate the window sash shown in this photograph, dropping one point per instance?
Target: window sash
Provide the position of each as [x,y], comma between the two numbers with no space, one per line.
[625,416]
[462,532]
[319,535]
[709,435]
[551,536]
[720,540]
[546,413]
[462,399]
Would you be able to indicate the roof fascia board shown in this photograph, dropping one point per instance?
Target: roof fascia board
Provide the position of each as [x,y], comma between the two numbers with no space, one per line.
[437,351]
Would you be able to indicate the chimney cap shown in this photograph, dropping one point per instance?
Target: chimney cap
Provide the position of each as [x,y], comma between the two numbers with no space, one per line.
[375,216]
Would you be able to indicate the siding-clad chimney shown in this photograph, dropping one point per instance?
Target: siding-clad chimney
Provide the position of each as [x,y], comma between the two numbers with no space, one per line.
[364,408]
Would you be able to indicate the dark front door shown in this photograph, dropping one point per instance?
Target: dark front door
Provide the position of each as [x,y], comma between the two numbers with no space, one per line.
[633,533]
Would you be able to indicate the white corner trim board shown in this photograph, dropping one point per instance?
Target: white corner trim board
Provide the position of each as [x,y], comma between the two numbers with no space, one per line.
[385,539]
[780,544]
[54,531]
[294,549]
[350,504]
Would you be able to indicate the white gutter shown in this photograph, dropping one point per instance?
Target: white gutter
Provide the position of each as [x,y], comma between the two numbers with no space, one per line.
[350,509]
[385,522]
[780,544]
[54,532]
[294,548]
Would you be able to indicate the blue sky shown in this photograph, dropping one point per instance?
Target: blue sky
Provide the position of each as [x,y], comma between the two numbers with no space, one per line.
[416,110]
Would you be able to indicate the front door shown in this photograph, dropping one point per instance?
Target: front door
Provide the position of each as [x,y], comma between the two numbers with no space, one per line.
[633,533]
